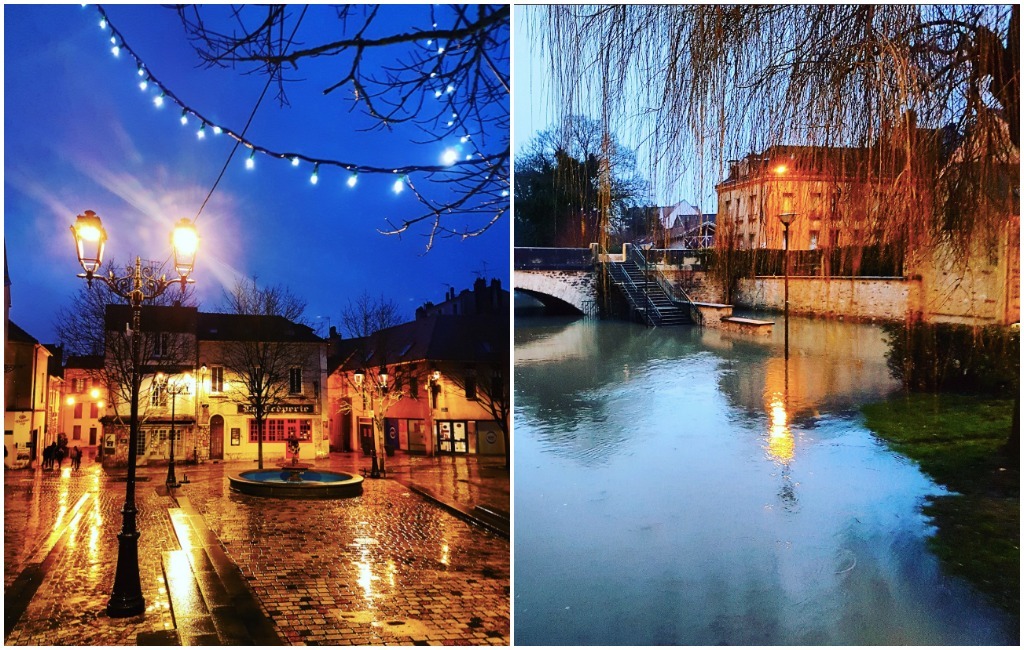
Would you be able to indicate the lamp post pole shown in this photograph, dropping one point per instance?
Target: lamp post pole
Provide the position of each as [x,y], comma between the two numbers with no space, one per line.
[174,389]
[786,218]
[138,286]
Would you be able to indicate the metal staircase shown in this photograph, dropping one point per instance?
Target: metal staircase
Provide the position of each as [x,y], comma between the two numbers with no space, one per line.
[648,295]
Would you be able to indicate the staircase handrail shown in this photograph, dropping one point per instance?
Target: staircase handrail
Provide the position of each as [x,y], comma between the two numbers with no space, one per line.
[675,293]
[633,290]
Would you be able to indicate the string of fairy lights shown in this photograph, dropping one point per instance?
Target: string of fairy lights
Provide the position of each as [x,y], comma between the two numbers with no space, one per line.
[162,97]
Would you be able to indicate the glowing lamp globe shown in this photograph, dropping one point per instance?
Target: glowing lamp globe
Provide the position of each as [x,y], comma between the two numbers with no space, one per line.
[185,241]
[90,238]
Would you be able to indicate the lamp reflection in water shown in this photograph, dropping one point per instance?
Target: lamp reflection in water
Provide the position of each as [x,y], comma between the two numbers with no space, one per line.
[780,438]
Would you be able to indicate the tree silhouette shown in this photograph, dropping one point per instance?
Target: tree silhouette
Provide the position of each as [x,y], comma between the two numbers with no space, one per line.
[702,85]
[448,78]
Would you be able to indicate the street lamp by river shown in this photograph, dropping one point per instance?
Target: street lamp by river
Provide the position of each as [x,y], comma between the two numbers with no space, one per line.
[786,218]
[137,286]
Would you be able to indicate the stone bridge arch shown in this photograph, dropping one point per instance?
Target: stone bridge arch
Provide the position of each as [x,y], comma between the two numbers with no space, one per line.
[576,289]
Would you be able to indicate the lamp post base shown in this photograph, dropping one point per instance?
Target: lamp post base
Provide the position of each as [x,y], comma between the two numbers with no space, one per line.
[126,599]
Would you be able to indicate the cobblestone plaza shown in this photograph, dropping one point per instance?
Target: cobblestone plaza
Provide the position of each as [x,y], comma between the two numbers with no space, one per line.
[389,567]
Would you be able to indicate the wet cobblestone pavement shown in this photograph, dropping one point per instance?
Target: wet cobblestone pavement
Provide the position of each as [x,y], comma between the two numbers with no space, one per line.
[388,567]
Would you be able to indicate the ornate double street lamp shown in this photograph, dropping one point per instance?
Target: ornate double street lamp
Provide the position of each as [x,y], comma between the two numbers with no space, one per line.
[786,218]
[137,287]
[174,388]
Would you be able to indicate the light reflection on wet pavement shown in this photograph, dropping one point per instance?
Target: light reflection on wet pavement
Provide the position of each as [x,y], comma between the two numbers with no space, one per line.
[687,487]
[387,567]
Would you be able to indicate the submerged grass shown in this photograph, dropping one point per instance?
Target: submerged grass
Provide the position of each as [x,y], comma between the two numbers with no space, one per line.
[958,441]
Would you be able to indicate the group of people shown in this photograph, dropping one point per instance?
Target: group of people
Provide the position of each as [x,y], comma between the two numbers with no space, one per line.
[56,452]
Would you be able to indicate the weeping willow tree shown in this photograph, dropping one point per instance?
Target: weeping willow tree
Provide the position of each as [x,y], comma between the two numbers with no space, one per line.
[698,86]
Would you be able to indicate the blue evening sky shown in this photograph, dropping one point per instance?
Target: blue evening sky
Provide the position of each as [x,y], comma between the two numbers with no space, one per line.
[79,134]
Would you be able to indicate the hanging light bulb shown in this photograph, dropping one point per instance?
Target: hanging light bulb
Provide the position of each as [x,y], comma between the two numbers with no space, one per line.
[116,51]
[251,162]
[469,157]
[450,122]
[440,50]
[141,71]
[316,174]
[504,192]
[463,139]
[449,156]
[103,23]
[351,182]
[143,84]
[430,41]
[399,185]
[184,116]
[433,74]
[201,133]
[217,130]
[450,89]
[437,93]
[295,161]
[159,100]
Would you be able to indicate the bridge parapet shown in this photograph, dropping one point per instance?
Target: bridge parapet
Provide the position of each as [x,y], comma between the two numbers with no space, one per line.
[553,259]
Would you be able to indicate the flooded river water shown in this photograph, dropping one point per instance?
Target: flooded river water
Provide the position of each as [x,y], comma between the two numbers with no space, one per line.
[679,486]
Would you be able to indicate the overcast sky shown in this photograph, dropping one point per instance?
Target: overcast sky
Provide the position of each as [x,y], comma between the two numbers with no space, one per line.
[80,134]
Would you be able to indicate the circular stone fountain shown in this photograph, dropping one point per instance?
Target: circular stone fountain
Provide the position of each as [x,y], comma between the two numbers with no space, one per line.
[297,481]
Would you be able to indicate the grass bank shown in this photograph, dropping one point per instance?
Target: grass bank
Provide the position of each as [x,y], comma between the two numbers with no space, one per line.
[958,441]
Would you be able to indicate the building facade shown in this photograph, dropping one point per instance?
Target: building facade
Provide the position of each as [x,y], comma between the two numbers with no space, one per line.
[436,385]
[26,397]
[84,403]
[286,362]
[205,377]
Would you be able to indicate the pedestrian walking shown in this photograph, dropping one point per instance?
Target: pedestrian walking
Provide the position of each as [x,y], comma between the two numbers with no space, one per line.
[49,455]
[76,458]
[58,455]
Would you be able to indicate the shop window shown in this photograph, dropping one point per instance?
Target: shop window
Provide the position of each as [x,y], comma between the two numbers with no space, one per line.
[277,430]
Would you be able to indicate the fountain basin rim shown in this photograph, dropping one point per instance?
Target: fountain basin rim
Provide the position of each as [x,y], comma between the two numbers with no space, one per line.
[347,486]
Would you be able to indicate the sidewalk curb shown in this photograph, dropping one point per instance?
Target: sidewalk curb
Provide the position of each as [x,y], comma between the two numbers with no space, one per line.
[475,517]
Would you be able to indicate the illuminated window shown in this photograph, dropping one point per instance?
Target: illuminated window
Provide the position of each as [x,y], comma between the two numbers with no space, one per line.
[217,379]
[158,394]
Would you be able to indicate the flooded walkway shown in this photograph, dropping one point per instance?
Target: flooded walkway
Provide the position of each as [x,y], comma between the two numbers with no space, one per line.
[675,486]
